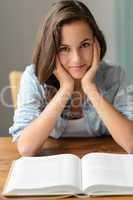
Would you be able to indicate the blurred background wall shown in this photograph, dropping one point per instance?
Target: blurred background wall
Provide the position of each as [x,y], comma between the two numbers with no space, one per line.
[19,22]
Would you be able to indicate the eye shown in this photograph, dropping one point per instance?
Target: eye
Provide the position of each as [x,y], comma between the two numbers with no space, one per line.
[85,45]
[63,49]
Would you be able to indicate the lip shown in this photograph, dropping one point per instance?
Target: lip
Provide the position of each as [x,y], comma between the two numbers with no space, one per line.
[77,69]
[79,66]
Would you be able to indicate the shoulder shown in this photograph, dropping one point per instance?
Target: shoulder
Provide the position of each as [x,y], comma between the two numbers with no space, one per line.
[113,69]
[29,77]
[110,74]
[29,73]
[29,83]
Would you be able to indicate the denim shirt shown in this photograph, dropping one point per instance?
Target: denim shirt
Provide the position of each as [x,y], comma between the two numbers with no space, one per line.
[32,99]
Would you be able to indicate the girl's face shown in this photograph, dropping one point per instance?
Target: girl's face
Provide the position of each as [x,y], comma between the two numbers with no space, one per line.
[76,49]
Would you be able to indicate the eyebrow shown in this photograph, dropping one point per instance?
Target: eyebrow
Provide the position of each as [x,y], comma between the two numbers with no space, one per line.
[86,39]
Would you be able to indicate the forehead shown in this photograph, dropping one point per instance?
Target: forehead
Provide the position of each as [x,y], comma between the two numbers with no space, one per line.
[76,31]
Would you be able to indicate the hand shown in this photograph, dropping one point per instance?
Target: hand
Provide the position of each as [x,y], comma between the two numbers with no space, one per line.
[63,77]
[88,79]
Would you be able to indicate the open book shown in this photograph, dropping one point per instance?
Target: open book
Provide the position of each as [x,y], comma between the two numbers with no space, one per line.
[66,174]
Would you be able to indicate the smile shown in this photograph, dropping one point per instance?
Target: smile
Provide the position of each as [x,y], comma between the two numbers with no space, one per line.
[80,66]
[77,68]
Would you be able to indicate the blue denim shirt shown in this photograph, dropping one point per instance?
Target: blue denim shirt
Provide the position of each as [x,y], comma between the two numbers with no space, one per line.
[32,100]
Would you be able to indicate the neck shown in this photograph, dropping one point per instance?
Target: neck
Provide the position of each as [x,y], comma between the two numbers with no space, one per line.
[77,85]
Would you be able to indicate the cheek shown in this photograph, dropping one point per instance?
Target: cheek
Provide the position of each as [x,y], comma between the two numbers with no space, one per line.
[64,61]
[87,55]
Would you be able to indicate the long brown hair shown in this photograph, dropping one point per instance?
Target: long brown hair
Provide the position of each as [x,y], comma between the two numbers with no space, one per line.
[49,36]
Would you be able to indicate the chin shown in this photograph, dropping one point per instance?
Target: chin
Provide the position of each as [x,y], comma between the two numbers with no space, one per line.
[78,76]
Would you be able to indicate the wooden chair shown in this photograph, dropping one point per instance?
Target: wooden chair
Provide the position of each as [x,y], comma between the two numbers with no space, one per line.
[14,79]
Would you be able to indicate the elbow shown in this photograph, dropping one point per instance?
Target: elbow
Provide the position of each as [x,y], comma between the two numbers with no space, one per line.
[127,140]
[129,143]
[129,149]
[26,150]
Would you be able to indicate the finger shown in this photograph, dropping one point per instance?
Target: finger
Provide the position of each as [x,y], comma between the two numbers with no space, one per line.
[59,69]
[98,48]
[57,62]
[54,72]
[95,53]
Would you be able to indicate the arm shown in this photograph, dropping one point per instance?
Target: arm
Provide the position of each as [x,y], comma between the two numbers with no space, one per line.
[36,133]
[120,127]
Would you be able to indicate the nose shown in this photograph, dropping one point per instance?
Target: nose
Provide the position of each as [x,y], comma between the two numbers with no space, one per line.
[75,57]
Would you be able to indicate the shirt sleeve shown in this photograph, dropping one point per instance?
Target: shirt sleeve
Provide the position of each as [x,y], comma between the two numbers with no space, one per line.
[31,101]
[123,100]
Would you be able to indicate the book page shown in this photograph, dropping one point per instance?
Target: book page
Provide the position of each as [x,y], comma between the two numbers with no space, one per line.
[40,172]
[107,169]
